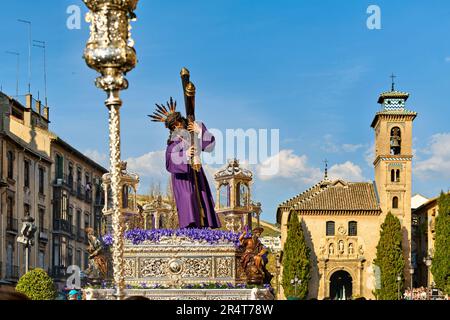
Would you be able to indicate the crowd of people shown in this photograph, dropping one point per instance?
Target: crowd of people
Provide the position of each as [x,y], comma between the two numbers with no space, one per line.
[423,293]
[417,294]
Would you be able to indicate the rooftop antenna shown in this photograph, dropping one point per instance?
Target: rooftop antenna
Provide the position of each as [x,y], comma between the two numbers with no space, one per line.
[326,169]
[17,70]
[42,45]
[29,51]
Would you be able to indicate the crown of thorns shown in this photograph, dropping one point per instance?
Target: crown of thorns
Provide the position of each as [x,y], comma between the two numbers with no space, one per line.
[166,113]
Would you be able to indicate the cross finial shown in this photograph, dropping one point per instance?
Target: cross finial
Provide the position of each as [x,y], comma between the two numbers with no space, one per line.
[393,81]
[326,169]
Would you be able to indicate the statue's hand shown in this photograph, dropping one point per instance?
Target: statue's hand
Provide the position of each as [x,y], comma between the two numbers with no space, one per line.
[193,127]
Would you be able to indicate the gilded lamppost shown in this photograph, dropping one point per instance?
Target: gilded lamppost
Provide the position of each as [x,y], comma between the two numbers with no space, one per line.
[110,51]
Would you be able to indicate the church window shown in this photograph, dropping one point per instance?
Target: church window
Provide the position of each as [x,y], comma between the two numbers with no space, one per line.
[392,175]
[330,228]
[395,203]
[397,176]
[396,141]
[353,228]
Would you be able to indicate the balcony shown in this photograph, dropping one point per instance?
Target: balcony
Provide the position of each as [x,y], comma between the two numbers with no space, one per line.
[64,181]
[61,226]
[11,225]
[58,272]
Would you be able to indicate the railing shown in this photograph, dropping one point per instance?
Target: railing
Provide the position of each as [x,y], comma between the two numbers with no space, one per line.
[61,225]
[58,272]
[65,181]
[11,224]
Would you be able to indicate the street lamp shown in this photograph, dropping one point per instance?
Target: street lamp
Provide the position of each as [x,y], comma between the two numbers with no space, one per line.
[27,237]
[411,272]
[399,279]
[110,51]
[296,281]
[428,261]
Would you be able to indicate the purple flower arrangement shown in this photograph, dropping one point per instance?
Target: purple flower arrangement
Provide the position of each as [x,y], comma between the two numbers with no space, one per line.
[138,236]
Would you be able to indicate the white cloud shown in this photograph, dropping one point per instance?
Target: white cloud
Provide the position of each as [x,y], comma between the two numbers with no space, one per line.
[347,171]
[290,166]
[95,155]
[150,165]
[369,155]
[438,162]
[331,146]
[346,147]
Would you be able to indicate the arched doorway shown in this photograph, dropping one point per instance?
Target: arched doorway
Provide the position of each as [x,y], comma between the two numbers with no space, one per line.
[341,285]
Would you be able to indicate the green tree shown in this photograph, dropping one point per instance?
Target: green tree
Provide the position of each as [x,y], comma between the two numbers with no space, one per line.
[37,285]
[440,267]
[295,260]
[390,258]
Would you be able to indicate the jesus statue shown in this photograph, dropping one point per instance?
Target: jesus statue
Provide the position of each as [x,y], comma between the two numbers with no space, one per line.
[191,191]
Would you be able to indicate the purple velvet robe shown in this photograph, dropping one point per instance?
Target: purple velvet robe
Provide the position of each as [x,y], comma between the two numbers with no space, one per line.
[183,184]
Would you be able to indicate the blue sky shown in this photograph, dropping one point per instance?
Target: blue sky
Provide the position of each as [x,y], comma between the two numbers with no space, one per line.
[309,68]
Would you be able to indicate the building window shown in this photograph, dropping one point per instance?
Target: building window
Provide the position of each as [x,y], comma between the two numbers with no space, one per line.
[395,203]
[41,220]
[56,252]
[59,167]
[10,207]
[397,176]
[41,259]
[10,159]
[392,175]
[26,173]
[78,258]
[330,228]
[86,221]
[353,228]
[41,180]
[86,260]
[64,206]
[70,177]
[69,256]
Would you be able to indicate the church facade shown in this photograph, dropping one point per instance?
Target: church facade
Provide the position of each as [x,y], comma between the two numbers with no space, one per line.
[342,220]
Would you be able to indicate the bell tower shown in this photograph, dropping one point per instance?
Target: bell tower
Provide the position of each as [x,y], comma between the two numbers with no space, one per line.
[393,126]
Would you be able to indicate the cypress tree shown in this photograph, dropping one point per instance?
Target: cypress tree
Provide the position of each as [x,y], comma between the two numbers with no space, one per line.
[295,261]
[390,258]
[440,267]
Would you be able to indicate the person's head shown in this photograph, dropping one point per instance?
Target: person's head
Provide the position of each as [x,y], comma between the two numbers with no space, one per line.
[175,121]
[136,298]
[12,295]
[73,295]
[257,232]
